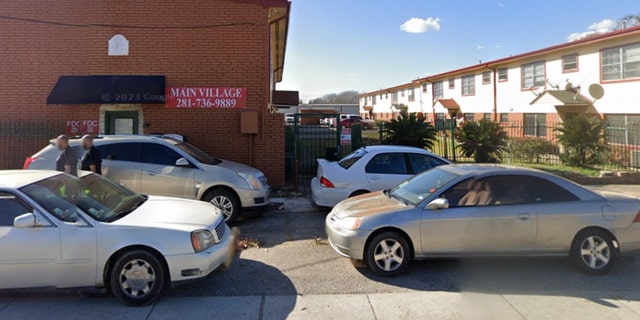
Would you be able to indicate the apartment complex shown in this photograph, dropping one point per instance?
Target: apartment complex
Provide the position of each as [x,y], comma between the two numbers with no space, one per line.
[596,75]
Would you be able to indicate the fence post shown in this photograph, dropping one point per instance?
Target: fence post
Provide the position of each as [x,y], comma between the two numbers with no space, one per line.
[453,139]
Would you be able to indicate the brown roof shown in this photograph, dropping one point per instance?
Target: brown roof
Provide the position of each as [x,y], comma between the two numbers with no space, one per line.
[449,103]
[568,98]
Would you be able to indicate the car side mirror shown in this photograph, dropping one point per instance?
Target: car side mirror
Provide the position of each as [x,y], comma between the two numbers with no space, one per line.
[182,162]
[23,221]
[437,204]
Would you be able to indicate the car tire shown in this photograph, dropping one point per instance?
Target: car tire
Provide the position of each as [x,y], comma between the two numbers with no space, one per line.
[388,254]
[226,201]
[593,250]
[358,193]
[137,278]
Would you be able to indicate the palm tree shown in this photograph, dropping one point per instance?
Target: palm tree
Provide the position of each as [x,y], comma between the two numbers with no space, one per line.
[582,139]
[483,140]
[409,130]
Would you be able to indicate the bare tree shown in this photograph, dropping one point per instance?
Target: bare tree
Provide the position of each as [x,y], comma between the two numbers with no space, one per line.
[345,97]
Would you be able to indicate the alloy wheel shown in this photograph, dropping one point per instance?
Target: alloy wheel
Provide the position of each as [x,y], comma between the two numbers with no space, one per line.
[595,252]
[388,255]
[224,204]
[137,278]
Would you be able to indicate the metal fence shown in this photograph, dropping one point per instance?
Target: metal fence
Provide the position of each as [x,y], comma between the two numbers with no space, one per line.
[538,143]
[22,138]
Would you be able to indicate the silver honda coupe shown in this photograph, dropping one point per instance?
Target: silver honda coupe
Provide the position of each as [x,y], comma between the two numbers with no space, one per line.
[484,210]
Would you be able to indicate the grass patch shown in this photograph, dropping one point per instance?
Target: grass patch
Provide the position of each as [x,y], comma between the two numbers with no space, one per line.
[560,169]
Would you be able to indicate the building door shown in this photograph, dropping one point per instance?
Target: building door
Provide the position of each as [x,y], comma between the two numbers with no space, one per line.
[121,122]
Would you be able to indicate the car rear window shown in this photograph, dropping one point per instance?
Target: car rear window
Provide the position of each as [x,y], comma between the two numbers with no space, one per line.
[352,158]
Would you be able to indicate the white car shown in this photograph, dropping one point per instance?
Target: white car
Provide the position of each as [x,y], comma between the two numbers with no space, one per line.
[369,169]
[60,231]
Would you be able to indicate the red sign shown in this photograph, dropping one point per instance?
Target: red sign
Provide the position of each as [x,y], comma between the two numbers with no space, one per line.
[82,127]
[206,97]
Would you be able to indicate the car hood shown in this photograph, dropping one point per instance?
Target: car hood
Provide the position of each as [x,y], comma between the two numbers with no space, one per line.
[367,205]
[239,167]
[173,213]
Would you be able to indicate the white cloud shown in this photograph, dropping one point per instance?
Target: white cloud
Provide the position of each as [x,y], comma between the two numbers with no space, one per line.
[419,25]
[604,26]
[479,47]
[501,5]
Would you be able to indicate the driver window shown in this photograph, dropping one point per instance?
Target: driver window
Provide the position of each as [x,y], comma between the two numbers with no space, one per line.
[10,208]
[157,154]
[387,163]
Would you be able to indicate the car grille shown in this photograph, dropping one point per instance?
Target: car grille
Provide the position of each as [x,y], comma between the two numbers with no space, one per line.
[263,180]
[220,230]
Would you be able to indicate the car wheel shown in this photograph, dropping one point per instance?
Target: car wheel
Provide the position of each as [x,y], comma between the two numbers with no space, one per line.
[388,254]
[137,278]
[226,201]
[593,251]
[358,193]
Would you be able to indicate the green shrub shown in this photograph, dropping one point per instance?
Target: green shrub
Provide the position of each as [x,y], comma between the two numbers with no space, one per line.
[409,130]
[529,149]
[483,140]
[582,140]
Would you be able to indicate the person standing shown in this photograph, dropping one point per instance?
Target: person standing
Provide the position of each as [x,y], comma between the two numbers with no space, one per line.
[67,161]
[92,159]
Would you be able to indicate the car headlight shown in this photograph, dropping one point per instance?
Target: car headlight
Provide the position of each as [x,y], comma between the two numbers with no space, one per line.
[349,223]
[251,180]
[202,240]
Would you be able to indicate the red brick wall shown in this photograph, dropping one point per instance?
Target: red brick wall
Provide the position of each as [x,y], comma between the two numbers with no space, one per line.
[232,51]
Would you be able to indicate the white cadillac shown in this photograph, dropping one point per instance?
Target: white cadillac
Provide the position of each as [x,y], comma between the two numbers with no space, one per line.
[61,231]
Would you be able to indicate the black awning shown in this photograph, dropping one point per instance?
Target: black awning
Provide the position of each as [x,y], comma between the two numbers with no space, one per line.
[107,89]
[285,98]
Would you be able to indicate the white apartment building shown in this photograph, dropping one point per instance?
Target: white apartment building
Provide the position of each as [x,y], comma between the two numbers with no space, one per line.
[597,75]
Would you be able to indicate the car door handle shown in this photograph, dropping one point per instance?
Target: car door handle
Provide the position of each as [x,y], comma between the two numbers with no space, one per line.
[523,216]
[151,173]
[375,178]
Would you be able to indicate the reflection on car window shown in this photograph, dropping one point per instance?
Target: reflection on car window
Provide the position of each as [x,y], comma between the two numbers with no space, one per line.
[387,163]
[423,162]
[157,154]
[352,158]
[194,152]
[10,208]
[420,187]
[65,197]
[119,151]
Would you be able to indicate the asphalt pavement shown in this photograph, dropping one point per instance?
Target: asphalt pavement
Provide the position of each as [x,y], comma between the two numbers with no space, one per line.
[294,274]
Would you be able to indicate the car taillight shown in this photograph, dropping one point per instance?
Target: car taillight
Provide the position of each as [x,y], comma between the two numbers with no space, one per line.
[27,163]
[637,219]
[326,183]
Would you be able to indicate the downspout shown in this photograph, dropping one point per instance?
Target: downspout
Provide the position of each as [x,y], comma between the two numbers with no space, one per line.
[495,92]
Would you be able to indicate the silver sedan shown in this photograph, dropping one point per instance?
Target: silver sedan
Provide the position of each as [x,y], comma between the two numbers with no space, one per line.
[484,210]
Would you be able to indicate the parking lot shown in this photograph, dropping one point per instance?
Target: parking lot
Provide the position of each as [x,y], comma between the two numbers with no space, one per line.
[295,274]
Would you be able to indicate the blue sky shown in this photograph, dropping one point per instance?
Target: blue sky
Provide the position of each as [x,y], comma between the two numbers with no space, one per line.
[337,45]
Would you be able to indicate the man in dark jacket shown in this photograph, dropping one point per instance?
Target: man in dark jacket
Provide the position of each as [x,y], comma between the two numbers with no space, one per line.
[92,159]
[67,161]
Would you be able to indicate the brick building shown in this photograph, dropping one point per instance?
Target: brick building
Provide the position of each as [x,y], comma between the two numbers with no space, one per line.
[104,67]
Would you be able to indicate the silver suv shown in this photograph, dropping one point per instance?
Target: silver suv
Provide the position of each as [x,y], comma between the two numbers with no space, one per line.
[165,166]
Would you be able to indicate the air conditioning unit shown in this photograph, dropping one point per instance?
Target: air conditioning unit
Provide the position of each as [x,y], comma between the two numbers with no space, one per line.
[635,158]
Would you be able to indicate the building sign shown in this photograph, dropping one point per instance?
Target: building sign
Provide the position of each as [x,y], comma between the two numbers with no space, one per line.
[345,136]
[82,127]
[205,97]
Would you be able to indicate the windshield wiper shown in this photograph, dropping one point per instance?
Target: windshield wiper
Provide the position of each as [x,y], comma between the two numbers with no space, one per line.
[142,199]
[399,199]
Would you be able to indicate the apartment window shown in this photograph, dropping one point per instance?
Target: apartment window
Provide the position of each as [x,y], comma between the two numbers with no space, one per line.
[468,117]
[381,96]
[412,95]
[468,85]
[535,124]
[503,74]
[402,93]
[438,90]
[621,63]
[386,96]
[533,75]
[440,120]
[373,99]
[452,83]
[623,129]
[424,88]
[486,77]
[504,118]
[394,97]
[487,116]
[570,63]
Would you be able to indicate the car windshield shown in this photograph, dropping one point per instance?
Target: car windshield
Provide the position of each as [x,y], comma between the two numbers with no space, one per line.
[420,187]
[352,158]
[65,196]
[194,152]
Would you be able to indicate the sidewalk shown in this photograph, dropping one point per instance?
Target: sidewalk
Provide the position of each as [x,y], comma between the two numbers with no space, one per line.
[379,306]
